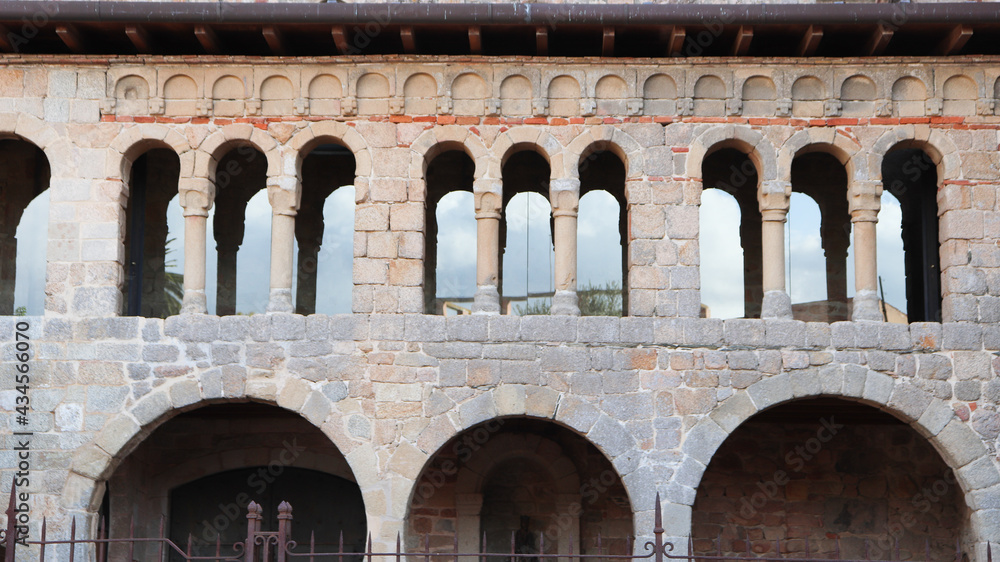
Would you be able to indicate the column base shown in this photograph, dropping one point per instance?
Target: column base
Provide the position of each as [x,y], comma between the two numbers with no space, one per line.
[866,307]
[194,302]
[776,304]
[280,301]
[565,303]
[486,300]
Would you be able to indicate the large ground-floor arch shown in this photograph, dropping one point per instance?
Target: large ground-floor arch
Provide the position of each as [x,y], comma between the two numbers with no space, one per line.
[824,476]
[201,469]
[526,480]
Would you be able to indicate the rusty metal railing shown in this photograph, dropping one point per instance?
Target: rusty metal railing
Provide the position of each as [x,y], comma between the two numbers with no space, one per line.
[265,546]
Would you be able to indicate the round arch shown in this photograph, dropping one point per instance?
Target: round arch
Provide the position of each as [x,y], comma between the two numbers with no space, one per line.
[133,142]
[530,138]
[299,146]
[604,137]
[436,140]
[938,146]
[747,140]
[93,463]
[959,446]
[215,146]
[847,151]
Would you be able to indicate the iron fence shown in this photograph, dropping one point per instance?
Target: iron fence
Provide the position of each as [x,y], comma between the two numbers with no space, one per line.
[265,546]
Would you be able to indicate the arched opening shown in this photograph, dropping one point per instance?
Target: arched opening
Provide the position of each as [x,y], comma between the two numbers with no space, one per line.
[202,468]
[154,275]
[242,228]
[450,253]
[324,233]
[730,171]
[522,478]
[822,178]
[25,233]
[527,256]
[910,175]
[602,236]
[827,475]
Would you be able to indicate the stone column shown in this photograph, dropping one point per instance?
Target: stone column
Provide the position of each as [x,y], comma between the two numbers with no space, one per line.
[774,210]
[196,197]
[284,206]
[864,206]
[565,197]
[468,508]
[488,202]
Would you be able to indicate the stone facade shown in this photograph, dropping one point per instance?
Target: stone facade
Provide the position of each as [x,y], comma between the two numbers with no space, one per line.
[656,392]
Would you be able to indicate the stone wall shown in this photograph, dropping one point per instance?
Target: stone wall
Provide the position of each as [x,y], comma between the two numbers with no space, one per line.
[656,392]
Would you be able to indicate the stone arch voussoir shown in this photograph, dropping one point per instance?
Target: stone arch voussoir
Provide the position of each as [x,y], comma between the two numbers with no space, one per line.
[960,447]
[544,143]
[621,143]
[95,461]
[301,143]
[938,146]
[757,146]
[433,141]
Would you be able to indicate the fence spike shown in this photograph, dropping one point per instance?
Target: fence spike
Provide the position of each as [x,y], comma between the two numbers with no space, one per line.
[189,545]
[777,546]
[131,545]
[867,555]
[369,546]
[747,534]
[659,547]
[398,546]
[131,537]
[312,545]
[10,534]
[690,547]
[41,549]
[958,549]
[512,543]
[101,530]
[927,548]
[72,540]
[718,544]
[427,547]
[340,550]
[895,545]
[989,549]
[808,551]
[482,549]
[218,546]
[836,545]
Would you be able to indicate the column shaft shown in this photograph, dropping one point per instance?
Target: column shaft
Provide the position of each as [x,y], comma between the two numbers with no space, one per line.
[195,301]
[282,253]
[777,303]
[487,298]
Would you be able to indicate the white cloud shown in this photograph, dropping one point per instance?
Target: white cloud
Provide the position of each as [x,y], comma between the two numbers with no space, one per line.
[721,254]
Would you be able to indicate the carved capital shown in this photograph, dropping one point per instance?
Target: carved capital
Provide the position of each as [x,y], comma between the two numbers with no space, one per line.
[685,106]
[883,108]
[493,106]
[986,106]
[253,106]
[487,205]
[444,105]
[634,106]
[784,107]
[204,107]
[540,107]
[301,106]
[108,106]
[349,106]
[196,196]
[934,106]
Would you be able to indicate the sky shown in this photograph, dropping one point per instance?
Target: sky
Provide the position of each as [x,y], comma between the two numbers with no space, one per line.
[805,265]
[528,258]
